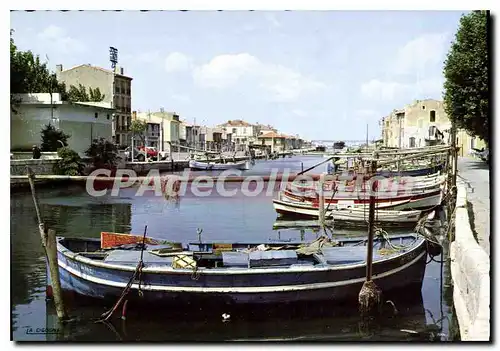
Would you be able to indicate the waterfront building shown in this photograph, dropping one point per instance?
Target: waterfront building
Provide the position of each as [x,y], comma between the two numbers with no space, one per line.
[115,86]
[167,126]
[83,121]
[276,142]
[423,123]
[241,132]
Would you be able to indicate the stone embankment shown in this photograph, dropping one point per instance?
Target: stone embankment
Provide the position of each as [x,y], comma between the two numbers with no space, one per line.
[470,271]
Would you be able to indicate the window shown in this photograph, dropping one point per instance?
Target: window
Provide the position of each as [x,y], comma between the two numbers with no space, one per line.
[107,116]
[96,115]
[234,130]
[412,142]
[117,90]
[433,116]
[423,107]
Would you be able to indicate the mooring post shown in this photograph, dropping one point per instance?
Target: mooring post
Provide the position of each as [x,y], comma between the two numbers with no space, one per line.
[50,246]
[321,207]
[370,295]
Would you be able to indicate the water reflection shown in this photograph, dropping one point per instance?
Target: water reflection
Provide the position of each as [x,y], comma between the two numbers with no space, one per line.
[71,212]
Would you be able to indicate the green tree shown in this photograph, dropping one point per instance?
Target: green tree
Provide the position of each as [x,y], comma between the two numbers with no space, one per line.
[53,139]
[70,163]
[29,75]
[103,153]
[138,128]
[80,94]
[466,76]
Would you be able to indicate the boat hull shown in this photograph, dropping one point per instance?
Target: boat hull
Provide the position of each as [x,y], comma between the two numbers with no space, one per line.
[294,209]
[212,166]
[421,201]
[241,286]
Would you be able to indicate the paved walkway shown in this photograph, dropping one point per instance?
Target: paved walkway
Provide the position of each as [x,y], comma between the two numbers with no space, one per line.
[475,173]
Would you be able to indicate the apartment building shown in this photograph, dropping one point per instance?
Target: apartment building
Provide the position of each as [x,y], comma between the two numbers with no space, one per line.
[165,127]
[423,123]
[117,90]
[241,131]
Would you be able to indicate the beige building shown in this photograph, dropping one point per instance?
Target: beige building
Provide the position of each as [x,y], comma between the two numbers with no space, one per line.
[241,131]
[276,142]
[423,123]
[169,127]
[116,88]
[83,121]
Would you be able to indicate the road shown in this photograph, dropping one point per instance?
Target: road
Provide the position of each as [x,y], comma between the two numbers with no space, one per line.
[476,176]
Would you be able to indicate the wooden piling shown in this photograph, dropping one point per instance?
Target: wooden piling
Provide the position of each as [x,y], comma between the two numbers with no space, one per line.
[370,294]
[50,246]
[321,207]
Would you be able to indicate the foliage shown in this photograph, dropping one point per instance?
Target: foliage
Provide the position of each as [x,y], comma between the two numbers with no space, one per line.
[70,163]
[29,75]
[466,76]
[103,153]
[138,128]
[53,139]
[80,94]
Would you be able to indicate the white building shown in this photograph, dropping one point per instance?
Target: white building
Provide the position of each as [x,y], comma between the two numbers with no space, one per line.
[169,130]
[241,132]
[83,121]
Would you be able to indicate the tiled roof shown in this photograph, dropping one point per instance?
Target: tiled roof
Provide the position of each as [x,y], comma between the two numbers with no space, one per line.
[273,135]
[236,123]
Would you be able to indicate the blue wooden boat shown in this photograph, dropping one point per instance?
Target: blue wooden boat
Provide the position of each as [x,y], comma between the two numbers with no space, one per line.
[235,273]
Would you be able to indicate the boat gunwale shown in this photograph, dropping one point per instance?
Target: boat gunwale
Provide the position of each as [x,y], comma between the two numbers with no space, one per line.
[233,270]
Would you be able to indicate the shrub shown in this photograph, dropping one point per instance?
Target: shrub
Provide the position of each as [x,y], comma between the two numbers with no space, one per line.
[70,163]
[53,139]
[103,153]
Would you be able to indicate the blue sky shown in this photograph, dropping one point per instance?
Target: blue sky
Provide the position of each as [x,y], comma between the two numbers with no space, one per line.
[320,74]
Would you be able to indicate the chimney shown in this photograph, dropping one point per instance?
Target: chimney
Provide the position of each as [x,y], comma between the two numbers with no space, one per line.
[121,71]
[59,68]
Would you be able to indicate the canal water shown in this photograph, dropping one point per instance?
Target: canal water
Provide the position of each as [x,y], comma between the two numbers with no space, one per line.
[74,213]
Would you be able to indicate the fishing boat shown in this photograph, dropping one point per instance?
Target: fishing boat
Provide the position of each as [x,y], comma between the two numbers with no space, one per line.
[200,165]
[324,269]
[347,214]
[353,183]
[422,200]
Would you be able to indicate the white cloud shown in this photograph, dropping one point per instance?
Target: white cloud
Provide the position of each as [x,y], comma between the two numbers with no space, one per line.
[282,83]
[299,113]
[394,91]
[271,18]
[380,90]
[56,38]
[180,98]
[421,53]
[177,62]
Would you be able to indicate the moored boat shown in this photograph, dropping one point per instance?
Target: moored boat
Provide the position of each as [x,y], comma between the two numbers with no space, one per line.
[347,214]
[200,165]
[414,199]
[324,269]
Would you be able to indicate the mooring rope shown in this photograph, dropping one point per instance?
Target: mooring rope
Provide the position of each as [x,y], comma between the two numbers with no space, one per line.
[106,315]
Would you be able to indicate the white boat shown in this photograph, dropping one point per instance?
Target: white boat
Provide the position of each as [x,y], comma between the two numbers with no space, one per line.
[351,214]
[214,166]
[423,199]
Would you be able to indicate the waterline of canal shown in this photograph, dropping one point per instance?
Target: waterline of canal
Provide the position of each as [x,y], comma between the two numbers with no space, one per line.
[73,213]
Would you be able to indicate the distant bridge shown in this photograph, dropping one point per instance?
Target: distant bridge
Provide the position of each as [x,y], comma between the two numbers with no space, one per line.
[326,142]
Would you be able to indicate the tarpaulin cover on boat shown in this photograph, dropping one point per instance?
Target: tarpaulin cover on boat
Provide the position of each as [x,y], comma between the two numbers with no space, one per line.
[272,258]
